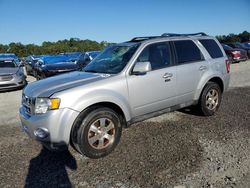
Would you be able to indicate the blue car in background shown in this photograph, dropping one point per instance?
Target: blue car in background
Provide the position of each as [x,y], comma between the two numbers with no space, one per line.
[82,58]
[30,62]
[89,56]
[65,62]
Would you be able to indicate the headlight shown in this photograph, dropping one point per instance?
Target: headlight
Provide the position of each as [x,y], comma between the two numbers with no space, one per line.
[42,105]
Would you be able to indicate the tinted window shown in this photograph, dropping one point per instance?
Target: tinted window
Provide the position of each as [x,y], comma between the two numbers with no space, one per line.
[212,48]
[157,54]
[187,51]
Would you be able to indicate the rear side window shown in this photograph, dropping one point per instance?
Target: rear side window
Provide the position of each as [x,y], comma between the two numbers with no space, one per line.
[212,48]
[187,51]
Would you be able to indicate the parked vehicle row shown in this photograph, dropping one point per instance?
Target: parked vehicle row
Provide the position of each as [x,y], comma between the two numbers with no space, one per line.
[11,72]
[49,65]
[237,51]
[235,55]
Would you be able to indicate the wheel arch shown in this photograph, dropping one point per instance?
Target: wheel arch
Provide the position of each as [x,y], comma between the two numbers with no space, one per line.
[215,79]
[76,124]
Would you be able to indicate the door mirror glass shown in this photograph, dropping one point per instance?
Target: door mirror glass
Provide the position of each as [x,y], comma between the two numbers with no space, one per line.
[142,68]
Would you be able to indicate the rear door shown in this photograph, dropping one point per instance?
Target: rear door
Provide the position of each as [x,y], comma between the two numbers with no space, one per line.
[190,67]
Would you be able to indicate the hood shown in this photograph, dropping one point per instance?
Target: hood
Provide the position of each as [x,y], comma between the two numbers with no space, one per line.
[51,85]
[61,66]
[4,71]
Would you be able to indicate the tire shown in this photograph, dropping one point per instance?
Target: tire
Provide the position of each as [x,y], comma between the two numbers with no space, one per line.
[210,99]
[96,132]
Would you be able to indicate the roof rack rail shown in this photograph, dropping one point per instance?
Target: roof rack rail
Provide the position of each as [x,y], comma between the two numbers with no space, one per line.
[136,39]
[177,34]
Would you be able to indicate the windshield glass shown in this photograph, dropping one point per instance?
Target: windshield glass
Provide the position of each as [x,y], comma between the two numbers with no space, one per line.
[112,60]
[7,64]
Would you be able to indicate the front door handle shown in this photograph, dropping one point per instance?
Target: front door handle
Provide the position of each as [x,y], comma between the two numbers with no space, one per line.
[167,77]
[202,68]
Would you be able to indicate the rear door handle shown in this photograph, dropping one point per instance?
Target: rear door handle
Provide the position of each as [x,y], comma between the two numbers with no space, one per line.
[203,68]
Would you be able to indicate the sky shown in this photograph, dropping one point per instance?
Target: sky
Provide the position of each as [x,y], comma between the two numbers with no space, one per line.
[35,21]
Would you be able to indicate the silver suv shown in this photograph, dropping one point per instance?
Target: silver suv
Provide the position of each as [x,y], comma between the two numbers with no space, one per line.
[127,83]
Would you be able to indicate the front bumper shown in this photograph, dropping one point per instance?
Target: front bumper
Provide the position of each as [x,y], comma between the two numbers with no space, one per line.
[14,83]
[57,123]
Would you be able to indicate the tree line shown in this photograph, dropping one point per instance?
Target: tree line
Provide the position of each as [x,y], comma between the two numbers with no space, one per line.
[76,45]
[241,37]
[71,45]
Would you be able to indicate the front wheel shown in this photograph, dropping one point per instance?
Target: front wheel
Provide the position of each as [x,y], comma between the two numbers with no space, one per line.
[210,99]
[97,132]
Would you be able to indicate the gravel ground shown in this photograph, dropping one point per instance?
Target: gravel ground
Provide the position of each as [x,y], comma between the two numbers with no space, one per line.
[178,149]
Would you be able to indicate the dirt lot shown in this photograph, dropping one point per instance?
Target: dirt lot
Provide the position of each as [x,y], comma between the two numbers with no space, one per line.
[178,149]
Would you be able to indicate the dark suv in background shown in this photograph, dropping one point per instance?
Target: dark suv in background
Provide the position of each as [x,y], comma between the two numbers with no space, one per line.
[241,46]
[235,55]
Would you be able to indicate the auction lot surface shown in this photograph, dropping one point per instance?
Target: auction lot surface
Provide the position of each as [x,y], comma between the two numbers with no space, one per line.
[178,149]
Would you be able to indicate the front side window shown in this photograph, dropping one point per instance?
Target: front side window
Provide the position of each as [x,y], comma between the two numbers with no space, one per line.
[113,59]
[212,48]
[157,54]
[187,51]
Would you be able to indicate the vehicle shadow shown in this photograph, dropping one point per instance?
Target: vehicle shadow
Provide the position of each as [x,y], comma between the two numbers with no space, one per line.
[48,169]
[191,110]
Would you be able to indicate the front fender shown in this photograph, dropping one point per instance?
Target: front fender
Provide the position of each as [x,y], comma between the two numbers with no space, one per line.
[85,100]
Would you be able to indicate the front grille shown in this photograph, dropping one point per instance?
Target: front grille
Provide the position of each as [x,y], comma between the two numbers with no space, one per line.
[27,104]
[6,77]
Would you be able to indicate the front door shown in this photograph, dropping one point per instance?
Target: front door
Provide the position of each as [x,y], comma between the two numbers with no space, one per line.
[156,89]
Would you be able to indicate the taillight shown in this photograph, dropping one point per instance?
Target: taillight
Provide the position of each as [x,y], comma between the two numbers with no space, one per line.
[236,53]
[227,62]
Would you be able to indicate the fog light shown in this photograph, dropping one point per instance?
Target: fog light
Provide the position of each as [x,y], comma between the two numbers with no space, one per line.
[41,133]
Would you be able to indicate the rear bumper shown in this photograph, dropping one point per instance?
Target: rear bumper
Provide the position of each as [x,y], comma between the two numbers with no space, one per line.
[234,60]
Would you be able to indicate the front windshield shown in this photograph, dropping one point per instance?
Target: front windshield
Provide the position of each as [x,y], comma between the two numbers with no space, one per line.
[113,59]
[7,64]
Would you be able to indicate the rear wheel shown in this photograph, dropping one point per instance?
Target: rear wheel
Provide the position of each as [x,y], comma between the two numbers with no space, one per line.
[210,99]
[97,132]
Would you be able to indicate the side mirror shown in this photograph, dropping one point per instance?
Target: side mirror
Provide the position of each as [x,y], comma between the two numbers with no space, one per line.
[142,68]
